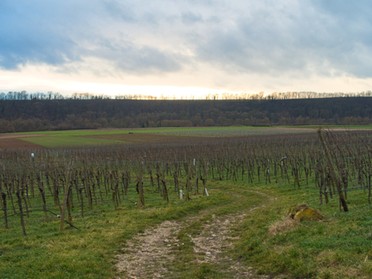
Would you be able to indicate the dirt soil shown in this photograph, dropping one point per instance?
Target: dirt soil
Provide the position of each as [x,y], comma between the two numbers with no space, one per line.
[12,141]
[149,254]
[214,239]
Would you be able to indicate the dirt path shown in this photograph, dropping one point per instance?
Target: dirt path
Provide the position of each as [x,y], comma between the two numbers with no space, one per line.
[149,254]
[214,239]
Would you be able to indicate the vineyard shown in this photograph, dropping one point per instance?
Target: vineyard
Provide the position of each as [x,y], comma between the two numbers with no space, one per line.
[54,190]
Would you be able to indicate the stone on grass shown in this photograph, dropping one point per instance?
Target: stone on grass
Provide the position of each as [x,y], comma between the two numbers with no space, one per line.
[303,212]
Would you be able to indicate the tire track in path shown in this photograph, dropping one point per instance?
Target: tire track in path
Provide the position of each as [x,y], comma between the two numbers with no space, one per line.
[148,254]
[151,253]
[215,238]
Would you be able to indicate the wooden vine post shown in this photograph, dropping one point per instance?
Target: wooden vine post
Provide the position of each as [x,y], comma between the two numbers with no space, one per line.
[336,180]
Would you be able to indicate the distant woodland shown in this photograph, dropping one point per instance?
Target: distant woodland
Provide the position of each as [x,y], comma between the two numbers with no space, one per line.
[52,113]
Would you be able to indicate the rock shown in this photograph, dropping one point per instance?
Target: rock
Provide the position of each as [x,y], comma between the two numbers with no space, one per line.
[303,212]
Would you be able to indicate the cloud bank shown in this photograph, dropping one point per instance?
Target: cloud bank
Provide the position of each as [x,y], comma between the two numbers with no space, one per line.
[289,39]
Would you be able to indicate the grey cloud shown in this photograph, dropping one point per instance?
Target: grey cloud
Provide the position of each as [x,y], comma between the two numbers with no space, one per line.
[306,38]
[189,18]
[146,60]
[35,46]
[267,36]
[344,10]
[139,59]
[261,41]
[60,33]
[120,9]
[37,32]
[351,34]
[35,50]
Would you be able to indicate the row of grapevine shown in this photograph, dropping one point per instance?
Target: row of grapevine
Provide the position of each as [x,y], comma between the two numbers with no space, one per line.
[71,182]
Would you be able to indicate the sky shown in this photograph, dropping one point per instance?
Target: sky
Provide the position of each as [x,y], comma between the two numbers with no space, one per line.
[185,48]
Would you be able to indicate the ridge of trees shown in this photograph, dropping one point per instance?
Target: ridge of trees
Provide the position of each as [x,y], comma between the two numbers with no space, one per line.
[24,95]
[34,114]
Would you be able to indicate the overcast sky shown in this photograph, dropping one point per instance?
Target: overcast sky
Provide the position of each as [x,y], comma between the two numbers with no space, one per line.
[185,47]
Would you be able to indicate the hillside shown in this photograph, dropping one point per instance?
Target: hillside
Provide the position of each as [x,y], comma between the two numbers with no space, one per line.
[58,114]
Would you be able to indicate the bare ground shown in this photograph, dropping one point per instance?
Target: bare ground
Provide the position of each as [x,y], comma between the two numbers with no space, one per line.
[214,239]
[13,141]
[148,255]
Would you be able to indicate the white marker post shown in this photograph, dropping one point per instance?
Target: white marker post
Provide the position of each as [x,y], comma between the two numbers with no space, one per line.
[181,195]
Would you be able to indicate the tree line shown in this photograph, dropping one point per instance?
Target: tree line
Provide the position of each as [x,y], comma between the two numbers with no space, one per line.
[58,114]
[24,95]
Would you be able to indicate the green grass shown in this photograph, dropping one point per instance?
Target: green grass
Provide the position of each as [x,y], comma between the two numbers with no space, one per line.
[76,138]
[338,247]
[90,251]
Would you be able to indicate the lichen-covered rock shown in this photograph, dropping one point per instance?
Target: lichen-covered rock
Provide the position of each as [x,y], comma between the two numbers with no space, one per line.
[303,212]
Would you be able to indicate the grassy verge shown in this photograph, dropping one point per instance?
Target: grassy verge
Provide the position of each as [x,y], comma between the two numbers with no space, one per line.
[340,246]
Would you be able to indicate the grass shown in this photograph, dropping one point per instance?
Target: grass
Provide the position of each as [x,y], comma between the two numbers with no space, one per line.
[338,247]
[76,138]
[90,251]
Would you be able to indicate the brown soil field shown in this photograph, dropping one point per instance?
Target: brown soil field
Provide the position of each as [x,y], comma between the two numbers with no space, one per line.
[9,141]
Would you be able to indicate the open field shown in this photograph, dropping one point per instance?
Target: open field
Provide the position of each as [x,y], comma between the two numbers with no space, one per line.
[77,138]
[114,210]
[51,139]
